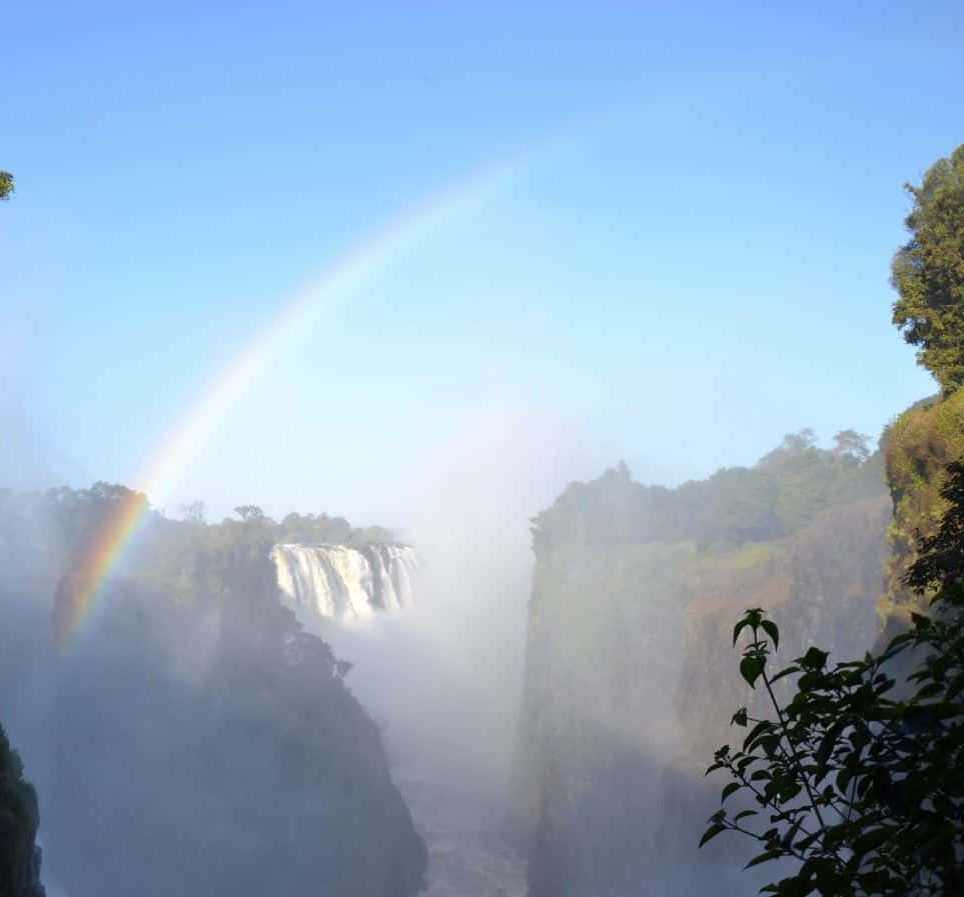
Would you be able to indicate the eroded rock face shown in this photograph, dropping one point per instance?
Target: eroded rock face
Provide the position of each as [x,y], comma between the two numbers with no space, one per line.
[631,680]
[820,586]
[262,774]
[19,818]
[196,740]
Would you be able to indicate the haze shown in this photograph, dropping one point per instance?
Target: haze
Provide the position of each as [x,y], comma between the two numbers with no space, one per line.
[479,364]
[704,221]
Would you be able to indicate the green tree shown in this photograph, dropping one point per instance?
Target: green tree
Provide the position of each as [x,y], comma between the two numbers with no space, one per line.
[928,272]
[6,185]
[249,513]
[859,776]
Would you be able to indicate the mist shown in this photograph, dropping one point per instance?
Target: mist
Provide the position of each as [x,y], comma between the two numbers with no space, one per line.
[400,406]
[444,678]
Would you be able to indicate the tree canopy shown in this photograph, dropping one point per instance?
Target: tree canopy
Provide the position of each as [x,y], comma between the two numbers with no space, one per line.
[780,495]
[6,184]
[928,272]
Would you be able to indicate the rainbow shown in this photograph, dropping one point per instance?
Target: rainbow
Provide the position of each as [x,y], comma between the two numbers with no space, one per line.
[81,594]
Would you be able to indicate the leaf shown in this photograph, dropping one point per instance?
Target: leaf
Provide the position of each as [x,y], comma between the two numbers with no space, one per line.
[764,857]
[955,688]
[770,628]
[739,718]
[794,887]
[751,618]
[711,833]
[827,744]
[750,668]
[789,671]
[872,840]
[728,790]
[761,728]
[805,842]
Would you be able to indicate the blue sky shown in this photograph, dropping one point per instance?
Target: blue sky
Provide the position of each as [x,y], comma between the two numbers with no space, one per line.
[693,261]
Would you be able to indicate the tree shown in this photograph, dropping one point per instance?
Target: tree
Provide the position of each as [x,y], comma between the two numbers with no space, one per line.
[851,445]
[6,185]
[193,512]
[249,513]
[859,777]
[928,272]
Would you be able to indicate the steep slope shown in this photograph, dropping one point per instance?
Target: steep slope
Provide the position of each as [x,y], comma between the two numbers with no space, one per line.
[19,818]
[193,739]
[918,447]
[628,681]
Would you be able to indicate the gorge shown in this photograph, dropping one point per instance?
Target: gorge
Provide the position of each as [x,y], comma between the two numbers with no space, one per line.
[630,679]
[323,330]
[403,739]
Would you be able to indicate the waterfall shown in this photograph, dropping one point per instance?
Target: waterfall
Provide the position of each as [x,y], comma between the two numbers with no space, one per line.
[342,581]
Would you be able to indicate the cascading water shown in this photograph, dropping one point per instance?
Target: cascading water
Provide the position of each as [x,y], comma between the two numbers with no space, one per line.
[344,582]
[438,729]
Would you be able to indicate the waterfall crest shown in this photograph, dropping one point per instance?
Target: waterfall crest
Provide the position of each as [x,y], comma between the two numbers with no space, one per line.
[344,582]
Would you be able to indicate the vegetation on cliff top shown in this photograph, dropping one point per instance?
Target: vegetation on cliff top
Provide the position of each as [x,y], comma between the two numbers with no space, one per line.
[780,495]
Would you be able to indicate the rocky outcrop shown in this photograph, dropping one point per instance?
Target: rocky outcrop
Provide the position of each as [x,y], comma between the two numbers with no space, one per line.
[631,678]
[19,819]
[191,738]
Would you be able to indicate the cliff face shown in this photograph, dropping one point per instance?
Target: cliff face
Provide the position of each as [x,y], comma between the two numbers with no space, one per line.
[598,727]
[195,740]
[820,586]
[257,773]
[918,447]
[19,818]
[631,679]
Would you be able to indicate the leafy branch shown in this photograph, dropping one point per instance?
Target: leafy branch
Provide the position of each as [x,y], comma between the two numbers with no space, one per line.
[859,776]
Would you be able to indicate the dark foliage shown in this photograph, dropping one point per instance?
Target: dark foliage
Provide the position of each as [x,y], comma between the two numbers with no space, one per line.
[19,818]
[858,778]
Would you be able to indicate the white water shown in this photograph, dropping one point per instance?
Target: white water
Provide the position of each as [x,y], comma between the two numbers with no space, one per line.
[344,582]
